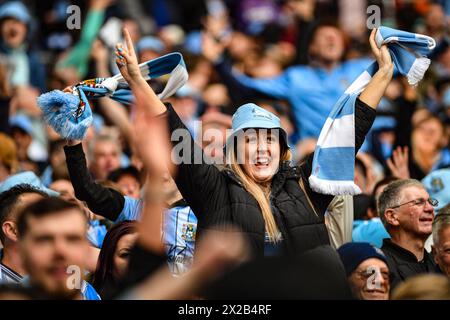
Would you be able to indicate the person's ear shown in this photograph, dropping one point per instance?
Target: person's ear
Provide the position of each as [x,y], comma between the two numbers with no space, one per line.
[10,230]
[391,217]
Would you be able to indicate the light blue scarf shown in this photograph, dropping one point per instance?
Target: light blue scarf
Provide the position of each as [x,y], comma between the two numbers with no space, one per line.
[334,156]
[70,115]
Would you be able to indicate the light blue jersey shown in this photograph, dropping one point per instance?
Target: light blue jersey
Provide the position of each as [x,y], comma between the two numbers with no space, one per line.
[96,233]
[131,210]
[88,292]
[179,232]
[312,92]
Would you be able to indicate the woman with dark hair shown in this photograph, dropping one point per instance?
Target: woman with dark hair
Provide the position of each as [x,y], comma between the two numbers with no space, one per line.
[113,259]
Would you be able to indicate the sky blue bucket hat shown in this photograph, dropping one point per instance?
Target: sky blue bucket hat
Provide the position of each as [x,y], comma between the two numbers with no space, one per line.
[16,10]
[150,43]
[250,116]
[437,184]
[26,177]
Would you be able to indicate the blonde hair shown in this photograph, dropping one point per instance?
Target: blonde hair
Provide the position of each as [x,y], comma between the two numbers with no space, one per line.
[423,287]
[258,193]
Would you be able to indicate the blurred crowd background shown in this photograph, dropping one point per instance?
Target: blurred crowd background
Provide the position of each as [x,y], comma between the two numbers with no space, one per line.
[310,50]
[258,39]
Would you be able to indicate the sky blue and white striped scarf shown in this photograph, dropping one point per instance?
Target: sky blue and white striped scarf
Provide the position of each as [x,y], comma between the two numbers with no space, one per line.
[334,156]
[70,114]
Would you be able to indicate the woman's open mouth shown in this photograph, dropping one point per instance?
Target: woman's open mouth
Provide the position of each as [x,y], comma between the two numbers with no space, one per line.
[262,162]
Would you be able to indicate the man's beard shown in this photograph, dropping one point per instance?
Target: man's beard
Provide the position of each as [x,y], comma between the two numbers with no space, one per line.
[56,295]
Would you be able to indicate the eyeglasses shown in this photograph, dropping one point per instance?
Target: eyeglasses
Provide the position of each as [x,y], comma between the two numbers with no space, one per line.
[419,202]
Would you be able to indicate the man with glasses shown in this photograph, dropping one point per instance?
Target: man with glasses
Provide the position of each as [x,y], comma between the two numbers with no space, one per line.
[407,212]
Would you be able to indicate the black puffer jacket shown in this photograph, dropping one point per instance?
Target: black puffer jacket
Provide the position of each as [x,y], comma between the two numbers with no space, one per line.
[218,198]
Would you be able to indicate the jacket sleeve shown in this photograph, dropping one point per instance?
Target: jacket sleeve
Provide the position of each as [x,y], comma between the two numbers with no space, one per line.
[339,220]
[102,201]
[202,185]
[364,117]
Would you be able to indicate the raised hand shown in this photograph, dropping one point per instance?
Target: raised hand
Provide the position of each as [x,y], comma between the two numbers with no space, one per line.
[302,9]
[382,55]
[398,163]
[377,86]
[127,61]
[128,66]
[215,37]
[211,48]
[217,25]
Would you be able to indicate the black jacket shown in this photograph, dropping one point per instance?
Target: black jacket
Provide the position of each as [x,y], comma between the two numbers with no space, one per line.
[218,198]
[101,200]
[403,263]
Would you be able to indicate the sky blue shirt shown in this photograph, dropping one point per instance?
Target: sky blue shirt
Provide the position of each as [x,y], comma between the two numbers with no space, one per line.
[96,233]
[88,292]
[311,91]
[180,230]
